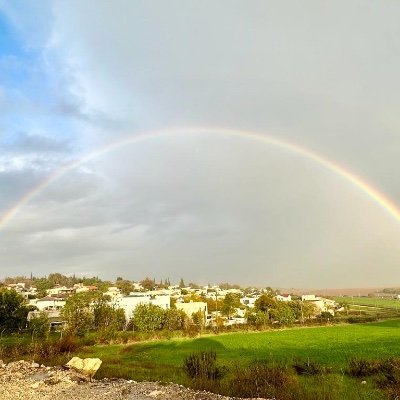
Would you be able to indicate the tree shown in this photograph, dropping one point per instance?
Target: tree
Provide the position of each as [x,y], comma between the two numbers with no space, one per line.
[198,319]
[13,313]
[181,283]
[256,318]
[77,315]
[124,286]
[211,305]
[148,317]
[174,319]
[265,303]
[39,326]
[147,283]
[309,309]
[297,309]
[282,313]
[327,316]
[230,303]
[60,279]
[107,318]
[42,285]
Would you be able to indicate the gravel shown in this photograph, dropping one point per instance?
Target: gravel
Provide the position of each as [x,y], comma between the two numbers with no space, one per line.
[21,380]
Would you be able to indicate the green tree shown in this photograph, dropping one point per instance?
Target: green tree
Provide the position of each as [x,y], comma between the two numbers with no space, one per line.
[199,320]
[326,316]
[42,285]
[77,315]
[174,319]
[265,303]
[297,309]
[309,309]
[282,313]
[13,313]
[60,279]
[256,318]
[148,317]
[230,303]
[107,318]
[39,326]
[124,286]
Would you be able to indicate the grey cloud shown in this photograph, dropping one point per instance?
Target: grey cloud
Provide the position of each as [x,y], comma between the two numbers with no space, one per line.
[31,143]
[211,208]
[228,214]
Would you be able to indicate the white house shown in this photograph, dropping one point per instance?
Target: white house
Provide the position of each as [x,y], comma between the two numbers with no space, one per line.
[57,290]
[193,307]
[48,303]
[129,303]
[322,304]
[283,297]
[248,301]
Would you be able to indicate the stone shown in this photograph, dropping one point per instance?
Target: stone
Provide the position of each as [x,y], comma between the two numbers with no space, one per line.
[87,366]
[35,365]
[155,393]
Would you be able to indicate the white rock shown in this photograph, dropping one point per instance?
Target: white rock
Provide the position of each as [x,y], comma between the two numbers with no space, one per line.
[87,366]
[155,393]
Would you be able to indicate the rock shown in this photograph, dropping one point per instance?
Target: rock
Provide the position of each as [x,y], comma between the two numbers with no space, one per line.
[87,366]
[155,393]
[35,385]
[35,365]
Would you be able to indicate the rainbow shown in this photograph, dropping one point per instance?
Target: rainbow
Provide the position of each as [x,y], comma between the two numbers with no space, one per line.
[390,207]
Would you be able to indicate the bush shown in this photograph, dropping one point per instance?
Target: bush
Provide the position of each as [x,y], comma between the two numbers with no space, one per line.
[202,365]
[360,319]
[309,368]
[360,367]
[266,381]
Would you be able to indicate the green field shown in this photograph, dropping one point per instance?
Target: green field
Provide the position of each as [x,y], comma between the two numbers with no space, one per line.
[332,346]
[370,302]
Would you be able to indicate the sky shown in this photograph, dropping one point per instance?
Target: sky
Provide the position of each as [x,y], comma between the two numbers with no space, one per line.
[88,188]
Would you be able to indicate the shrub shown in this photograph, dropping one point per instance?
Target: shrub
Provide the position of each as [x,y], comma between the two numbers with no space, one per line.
[361,319]
[360,367]
[191,330]
[390,369]
[309,368]
[263,380]
[202,365]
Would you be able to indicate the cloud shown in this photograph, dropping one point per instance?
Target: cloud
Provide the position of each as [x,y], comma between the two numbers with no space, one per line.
[210,207]
[25,143]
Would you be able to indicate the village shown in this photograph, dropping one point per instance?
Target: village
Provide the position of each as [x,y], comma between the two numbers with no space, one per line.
[223,306]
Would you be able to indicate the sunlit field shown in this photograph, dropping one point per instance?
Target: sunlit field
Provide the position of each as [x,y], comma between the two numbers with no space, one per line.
[332,346]
[370,301]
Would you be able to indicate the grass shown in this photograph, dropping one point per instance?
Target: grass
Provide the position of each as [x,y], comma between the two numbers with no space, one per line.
[375,302]
[327,348]
[332,346]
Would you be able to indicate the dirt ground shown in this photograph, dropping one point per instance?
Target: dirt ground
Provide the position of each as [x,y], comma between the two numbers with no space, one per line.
[22,380]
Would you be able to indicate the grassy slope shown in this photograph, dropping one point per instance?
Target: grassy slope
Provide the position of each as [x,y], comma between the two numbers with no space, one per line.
[332,346]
